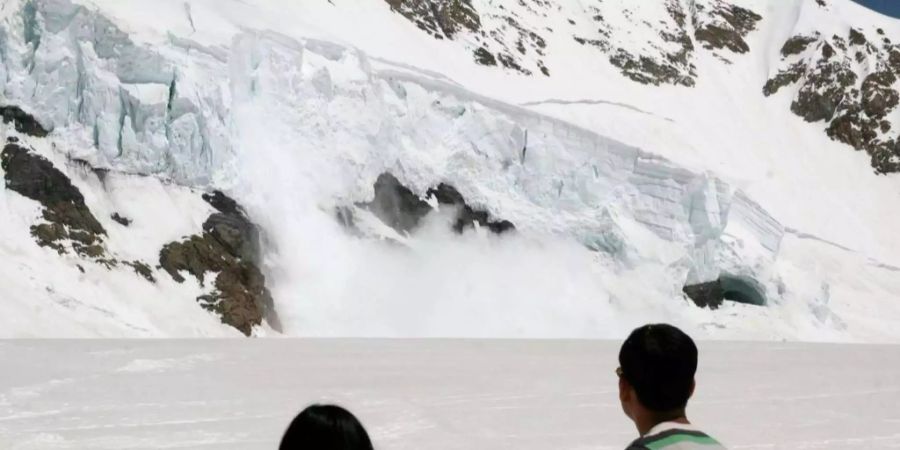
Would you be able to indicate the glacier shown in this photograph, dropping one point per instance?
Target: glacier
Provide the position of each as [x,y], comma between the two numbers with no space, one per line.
[612,222]
[82,74]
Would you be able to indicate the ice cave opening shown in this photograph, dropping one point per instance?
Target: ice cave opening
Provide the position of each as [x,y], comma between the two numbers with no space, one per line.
[742,289]
[728,287]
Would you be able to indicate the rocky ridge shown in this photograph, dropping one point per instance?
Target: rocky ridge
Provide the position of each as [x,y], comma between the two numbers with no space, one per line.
[848,82]
[500,35]
[228,248]
[398,207]
[497,36]
[68,224]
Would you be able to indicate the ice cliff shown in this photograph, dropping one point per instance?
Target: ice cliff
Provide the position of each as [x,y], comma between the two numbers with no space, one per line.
[296,128]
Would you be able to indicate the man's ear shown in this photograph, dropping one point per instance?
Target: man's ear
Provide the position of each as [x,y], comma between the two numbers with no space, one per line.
[624,390]
[693,387]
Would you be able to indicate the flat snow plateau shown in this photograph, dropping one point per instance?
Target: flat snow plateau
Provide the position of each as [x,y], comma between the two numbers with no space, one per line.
[432,394]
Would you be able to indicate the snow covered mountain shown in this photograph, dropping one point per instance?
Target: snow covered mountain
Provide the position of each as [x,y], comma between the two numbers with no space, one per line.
[449,168]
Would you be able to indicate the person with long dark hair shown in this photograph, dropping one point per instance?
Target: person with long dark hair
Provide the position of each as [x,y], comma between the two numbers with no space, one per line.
[326,427]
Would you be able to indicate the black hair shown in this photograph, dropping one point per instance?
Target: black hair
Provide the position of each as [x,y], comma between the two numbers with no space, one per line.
[325,427]
[659,361]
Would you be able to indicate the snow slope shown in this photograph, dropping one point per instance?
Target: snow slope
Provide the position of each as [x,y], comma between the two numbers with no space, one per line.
[626,191]
[434,394]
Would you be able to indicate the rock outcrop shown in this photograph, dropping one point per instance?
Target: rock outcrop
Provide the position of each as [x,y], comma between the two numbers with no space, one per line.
[668,57]
[401,209]
[706,295]
[720,25]
[466,216]
[120,219]
[499,34]
[228,248]
[439,18]
[22,121]
[848,83]
[396,205]
[502,40]
[68,223]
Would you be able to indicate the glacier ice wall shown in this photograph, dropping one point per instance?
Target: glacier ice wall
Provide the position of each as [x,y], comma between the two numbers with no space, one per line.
[284,121]
[353,117]
[142,109]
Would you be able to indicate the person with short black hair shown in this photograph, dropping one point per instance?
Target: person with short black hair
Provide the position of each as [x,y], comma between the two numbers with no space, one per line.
[657,364]
[325,427]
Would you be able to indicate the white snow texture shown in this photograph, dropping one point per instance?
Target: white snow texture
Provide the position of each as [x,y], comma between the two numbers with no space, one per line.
[625,193]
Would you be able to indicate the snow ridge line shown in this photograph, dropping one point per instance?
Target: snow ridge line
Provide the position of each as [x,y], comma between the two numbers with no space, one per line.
[554,101]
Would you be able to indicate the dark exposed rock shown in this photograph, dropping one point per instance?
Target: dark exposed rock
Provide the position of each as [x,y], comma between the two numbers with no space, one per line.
[886,156]
[22,121]
[345,217]
[830,90]
[525,40]
[195,255]
[827,51]
[716,37]
[396,205]
[141,269]
[228,248]
[68,217]
[50,235]
[824,90]
[736,24]
[544,70]
[222,203]
[797,45]
[440,18]
[894,60]
[669,64]
[510,62]
[84,237]
[100,172]
[34,177]
[594,42]
[120,219]
[91,251]
[241,298]
[401,209]
[485,57]
[447,195]
[646,70]
[857,38]
[784,78]
[839,42]
[850,129]
[878,97]
[706,295]
[236,233]
[467,217]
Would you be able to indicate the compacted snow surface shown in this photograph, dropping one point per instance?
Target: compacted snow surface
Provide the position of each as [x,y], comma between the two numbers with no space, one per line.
[437,394]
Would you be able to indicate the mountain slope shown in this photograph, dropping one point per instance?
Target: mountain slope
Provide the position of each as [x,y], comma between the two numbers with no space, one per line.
[630,146]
